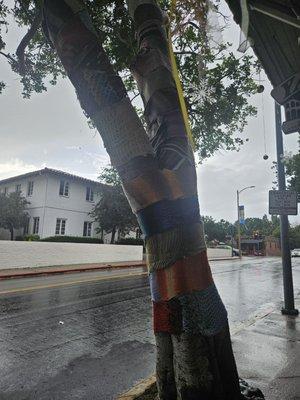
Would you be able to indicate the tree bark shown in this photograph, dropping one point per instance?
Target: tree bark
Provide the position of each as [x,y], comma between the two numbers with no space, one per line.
[194,354]
[11,230]
[113,234]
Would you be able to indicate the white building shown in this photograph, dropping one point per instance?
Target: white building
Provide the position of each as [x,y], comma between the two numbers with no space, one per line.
[60,203]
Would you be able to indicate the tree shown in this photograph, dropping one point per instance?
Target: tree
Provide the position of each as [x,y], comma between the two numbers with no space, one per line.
[293,172]
[12,212]
[294,236]
[217,230]
[157,170]
[262,225]
[216,82]
[112,212]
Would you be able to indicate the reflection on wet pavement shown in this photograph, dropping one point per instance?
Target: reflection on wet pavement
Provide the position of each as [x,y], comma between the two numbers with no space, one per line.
[105,343]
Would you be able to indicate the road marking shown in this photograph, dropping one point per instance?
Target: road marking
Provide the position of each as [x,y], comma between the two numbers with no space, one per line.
[104,278]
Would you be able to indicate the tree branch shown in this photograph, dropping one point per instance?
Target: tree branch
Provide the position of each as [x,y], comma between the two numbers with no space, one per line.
[134,97]
[20,52]
[185,52]
[8,56]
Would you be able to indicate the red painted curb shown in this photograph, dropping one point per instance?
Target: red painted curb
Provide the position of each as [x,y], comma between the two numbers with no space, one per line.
[23,274]
[26,274]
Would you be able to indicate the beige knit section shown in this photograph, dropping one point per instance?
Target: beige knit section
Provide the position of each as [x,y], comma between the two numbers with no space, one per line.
[164,249]
[122,132]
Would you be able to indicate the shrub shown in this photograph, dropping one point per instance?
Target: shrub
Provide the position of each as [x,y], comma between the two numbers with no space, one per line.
[19,238]
[131,241]
[31,238]
[72,239]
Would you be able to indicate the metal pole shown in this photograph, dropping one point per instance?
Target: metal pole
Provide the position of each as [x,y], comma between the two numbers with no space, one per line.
[239,225]
[289,303]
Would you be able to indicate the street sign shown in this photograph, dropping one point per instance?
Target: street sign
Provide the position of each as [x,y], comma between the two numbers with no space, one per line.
[283,202]
[242,215]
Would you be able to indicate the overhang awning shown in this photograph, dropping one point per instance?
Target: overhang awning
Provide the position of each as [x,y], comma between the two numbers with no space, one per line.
[274,33]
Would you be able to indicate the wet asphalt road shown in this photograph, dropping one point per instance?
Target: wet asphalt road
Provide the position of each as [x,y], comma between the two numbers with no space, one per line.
[88,336]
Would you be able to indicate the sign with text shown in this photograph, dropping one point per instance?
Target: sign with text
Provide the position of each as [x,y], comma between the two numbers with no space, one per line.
[283,202]
[242,214]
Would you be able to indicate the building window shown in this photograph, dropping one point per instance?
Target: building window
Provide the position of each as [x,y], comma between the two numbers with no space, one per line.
[138,233]
[36,225]
[87,228]
[89,196]
[18,188]
[64,188]
[30,188]
[5,191]
[26,226]
[60,228]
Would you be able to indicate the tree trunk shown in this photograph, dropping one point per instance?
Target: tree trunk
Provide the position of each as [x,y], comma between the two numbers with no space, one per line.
[113,234]
[194,354]
[11,230]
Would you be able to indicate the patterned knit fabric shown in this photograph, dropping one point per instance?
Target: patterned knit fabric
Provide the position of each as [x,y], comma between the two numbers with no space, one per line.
[164,249]
[198,313]
[185,276]
[155,185]
[126,140]
[203,312]
[167,214]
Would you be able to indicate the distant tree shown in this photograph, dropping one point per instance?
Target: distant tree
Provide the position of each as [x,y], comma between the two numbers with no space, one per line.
[217,230]
[293,172]
[263,226]
[112,212]
[294,235]
[13,213]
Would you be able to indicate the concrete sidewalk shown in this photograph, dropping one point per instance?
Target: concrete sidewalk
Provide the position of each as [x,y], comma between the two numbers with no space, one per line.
[267,354]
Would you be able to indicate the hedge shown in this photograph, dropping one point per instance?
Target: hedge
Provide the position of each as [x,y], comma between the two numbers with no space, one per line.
[131,241]
[72,239]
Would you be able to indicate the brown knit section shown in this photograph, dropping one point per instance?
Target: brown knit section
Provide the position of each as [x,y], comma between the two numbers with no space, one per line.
[156,185]
[122,132]
[164,249]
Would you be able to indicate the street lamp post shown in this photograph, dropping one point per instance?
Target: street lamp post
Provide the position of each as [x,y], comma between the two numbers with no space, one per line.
[238,192]
[288,288]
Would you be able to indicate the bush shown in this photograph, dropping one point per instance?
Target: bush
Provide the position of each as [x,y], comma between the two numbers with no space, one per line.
[31,238]
[19,238]
[131,241]
[72,239]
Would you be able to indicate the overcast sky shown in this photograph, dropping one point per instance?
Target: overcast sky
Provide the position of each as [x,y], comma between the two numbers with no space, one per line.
[50,130]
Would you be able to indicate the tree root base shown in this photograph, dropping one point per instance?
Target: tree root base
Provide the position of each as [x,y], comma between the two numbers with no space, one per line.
[147,390]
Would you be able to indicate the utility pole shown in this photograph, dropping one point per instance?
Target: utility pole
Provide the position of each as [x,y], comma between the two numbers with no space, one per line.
[289,303]
[239,216]
[239,223]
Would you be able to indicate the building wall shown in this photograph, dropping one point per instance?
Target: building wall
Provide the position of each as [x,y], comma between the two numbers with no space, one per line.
[39,189]
[36,200]
[74,208]
[47,204]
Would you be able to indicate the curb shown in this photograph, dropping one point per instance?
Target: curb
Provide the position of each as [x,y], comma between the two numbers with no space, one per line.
[144,390]
[44,271]
[82,268]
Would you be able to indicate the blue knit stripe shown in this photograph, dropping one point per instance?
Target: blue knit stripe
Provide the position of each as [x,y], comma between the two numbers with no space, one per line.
[203,312]
[168,214]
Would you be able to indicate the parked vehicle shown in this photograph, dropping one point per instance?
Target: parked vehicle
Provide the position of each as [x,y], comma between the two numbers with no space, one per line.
[295,253]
